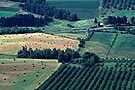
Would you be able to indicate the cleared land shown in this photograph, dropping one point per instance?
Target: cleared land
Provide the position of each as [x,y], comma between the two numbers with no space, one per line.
[124,46]
[62,25]
[25,74]
[6,4]
[10,44]
[72,35]
[86,10]
[7,13]
[120,13]
[100,43]
[8,8]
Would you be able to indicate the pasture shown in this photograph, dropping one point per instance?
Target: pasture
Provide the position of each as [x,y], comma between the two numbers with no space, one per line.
[8,8]
[100,43]
[85,10]
[7,13]
[124,46]
[62,25]
[73,36]
[25,74]
[120,13]
[10,44]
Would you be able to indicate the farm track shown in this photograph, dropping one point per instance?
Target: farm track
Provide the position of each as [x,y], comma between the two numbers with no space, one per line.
[84,30]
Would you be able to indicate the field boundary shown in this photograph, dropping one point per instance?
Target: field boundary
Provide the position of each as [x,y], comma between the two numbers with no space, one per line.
[112,44]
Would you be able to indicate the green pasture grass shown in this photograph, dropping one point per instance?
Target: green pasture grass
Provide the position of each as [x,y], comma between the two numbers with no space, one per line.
[87,9]
[105,38]
[62,25]
[72,35]
[100,43]
[32,81]
[124,46]
[7,13]
[120,13]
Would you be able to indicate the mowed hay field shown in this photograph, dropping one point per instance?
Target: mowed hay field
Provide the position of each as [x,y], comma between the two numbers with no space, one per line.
[10,44]
[25,74]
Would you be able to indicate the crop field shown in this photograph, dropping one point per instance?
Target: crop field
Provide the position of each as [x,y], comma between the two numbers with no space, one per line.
[85,10]
[124,46]
[100,43]
[6,3]
[10,44]
[7,8]
[7,13]
[73,35]
[25,74]
[120,13]
[110,75]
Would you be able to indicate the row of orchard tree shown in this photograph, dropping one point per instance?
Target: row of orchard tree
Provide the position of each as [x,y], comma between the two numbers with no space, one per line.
[90,78]
[119,4]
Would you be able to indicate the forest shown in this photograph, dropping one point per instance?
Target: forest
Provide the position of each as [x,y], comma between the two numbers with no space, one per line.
[21,20]
[42,8]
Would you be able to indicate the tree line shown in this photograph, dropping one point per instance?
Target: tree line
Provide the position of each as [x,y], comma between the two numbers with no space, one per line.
[119,20]
[119,4]
[17,30]
[42,8]
[24,20]
[61,55]
[115,20]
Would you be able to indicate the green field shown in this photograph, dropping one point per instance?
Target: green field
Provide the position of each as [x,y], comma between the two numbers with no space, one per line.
[86,10]
[72,35]
[120,13]
[100,43]
[61,25]
[17,74]
[7,13]
[124,46]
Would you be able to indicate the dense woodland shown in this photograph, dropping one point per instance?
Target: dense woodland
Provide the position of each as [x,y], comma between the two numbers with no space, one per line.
[42,8]
[61,55]
[39,7]
[119,4]
[24,20]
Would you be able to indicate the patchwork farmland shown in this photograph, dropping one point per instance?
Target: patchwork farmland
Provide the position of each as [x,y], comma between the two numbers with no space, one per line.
[101,59]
